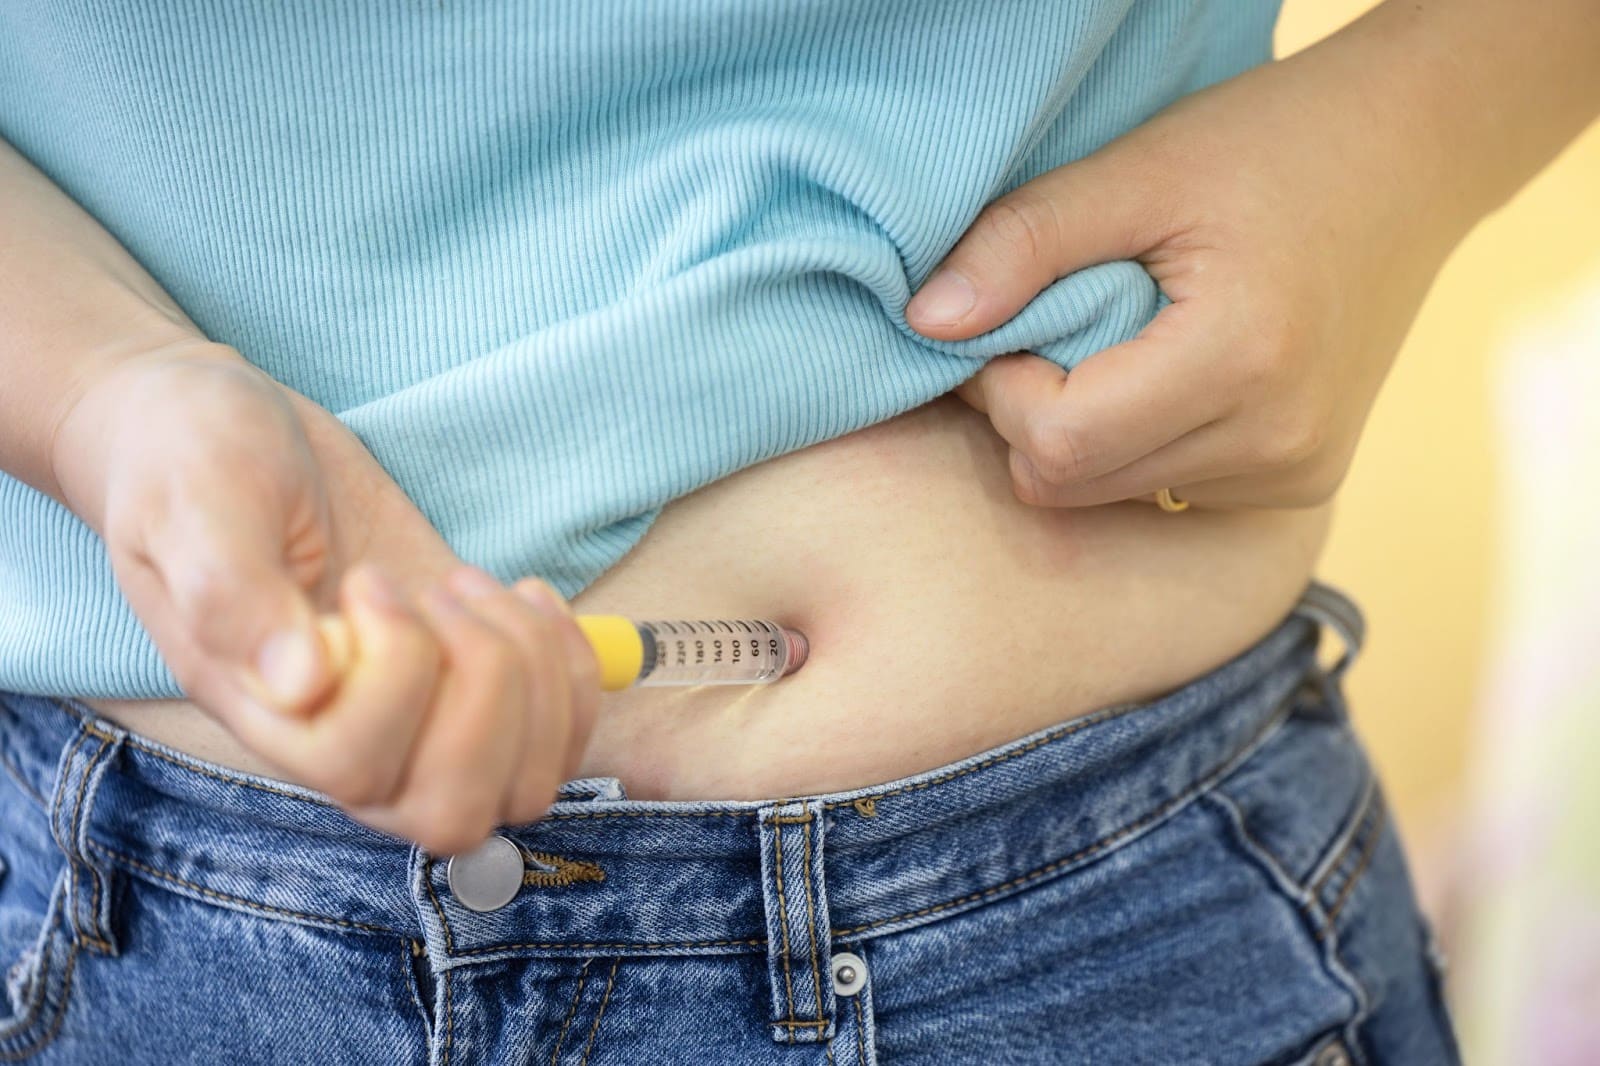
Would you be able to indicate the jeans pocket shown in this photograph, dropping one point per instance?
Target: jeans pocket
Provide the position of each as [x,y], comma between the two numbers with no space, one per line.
[1305,801]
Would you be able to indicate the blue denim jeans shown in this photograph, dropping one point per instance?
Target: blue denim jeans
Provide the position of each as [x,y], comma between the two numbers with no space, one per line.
[1208,877]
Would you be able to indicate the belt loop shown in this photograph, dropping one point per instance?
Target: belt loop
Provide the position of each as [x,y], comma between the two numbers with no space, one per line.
[798,929]
[79,771]
[1333,608]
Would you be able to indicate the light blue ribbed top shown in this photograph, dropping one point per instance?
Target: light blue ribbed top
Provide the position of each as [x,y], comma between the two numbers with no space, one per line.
[558,263]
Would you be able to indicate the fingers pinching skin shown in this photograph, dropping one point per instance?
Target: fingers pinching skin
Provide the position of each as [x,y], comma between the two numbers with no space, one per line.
[1116,407]
[1068,218]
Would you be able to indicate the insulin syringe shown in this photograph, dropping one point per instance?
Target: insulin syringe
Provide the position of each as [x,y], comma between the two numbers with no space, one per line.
[742,651]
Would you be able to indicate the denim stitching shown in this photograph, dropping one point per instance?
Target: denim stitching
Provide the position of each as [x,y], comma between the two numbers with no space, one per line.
[1077,724]
[408,973]
[449,1020]
[1053,735]
[61,1014]
[133,740]
[575,816]
[583,975]
[861,1028]
[1339,850]
[252,904]
[1100,845]
[77,819]
[783,927]
[811,921]
[56,803]
[427,882]
[36,996]
[1368,848]
[1308,903]
[1303,898]
[645,945]
[13,1027]
[595,1029]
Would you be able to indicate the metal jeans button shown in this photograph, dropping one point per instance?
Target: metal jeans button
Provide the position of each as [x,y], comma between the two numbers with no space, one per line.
[849,973]
[486,878]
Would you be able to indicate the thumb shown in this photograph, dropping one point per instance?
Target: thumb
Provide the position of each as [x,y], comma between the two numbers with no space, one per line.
[232,589]
[1087,212]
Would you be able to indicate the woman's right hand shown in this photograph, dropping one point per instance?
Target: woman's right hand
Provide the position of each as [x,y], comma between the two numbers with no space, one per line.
[234,511]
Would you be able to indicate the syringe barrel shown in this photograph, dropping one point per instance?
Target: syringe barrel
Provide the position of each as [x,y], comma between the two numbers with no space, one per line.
[742,651]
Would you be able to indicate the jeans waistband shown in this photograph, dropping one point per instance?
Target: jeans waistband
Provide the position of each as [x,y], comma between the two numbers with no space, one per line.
[612,875]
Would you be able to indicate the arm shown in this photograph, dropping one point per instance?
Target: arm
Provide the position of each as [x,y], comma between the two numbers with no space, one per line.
[1296,216]
[233,508]
[75,304]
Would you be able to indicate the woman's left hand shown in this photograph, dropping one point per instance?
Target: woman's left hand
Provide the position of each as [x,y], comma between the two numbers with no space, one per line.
[1294,218]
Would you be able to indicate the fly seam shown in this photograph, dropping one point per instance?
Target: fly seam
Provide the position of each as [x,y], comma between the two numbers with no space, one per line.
[861,1028]
[449,1018]
[601,1013]
[427,881]
[408,974]
[583,975]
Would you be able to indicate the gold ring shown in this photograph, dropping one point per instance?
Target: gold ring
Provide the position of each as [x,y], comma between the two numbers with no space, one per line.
[1168,502]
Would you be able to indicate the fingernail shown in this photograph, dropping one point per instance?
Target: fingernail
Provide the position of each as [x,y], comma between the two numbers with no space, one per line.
[471,582]
[285,664]
[944,300]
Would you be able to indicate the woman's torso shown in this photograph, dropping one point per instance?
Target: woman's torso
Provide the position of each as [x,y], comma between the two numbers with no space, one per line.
[559,263]
[944,615]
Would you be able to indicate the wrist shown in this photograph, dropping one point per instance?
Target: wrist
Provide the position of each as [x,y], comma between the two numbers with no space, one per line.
[83,434]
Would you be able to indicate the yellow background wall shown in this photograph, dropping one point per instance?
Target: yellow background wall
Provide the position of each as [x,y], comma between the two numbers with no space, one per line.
[1414,537]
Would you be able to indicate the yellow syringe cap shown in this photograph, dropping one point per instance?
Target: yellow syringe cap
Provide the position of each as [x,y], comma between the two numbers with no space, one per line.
[617,645]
